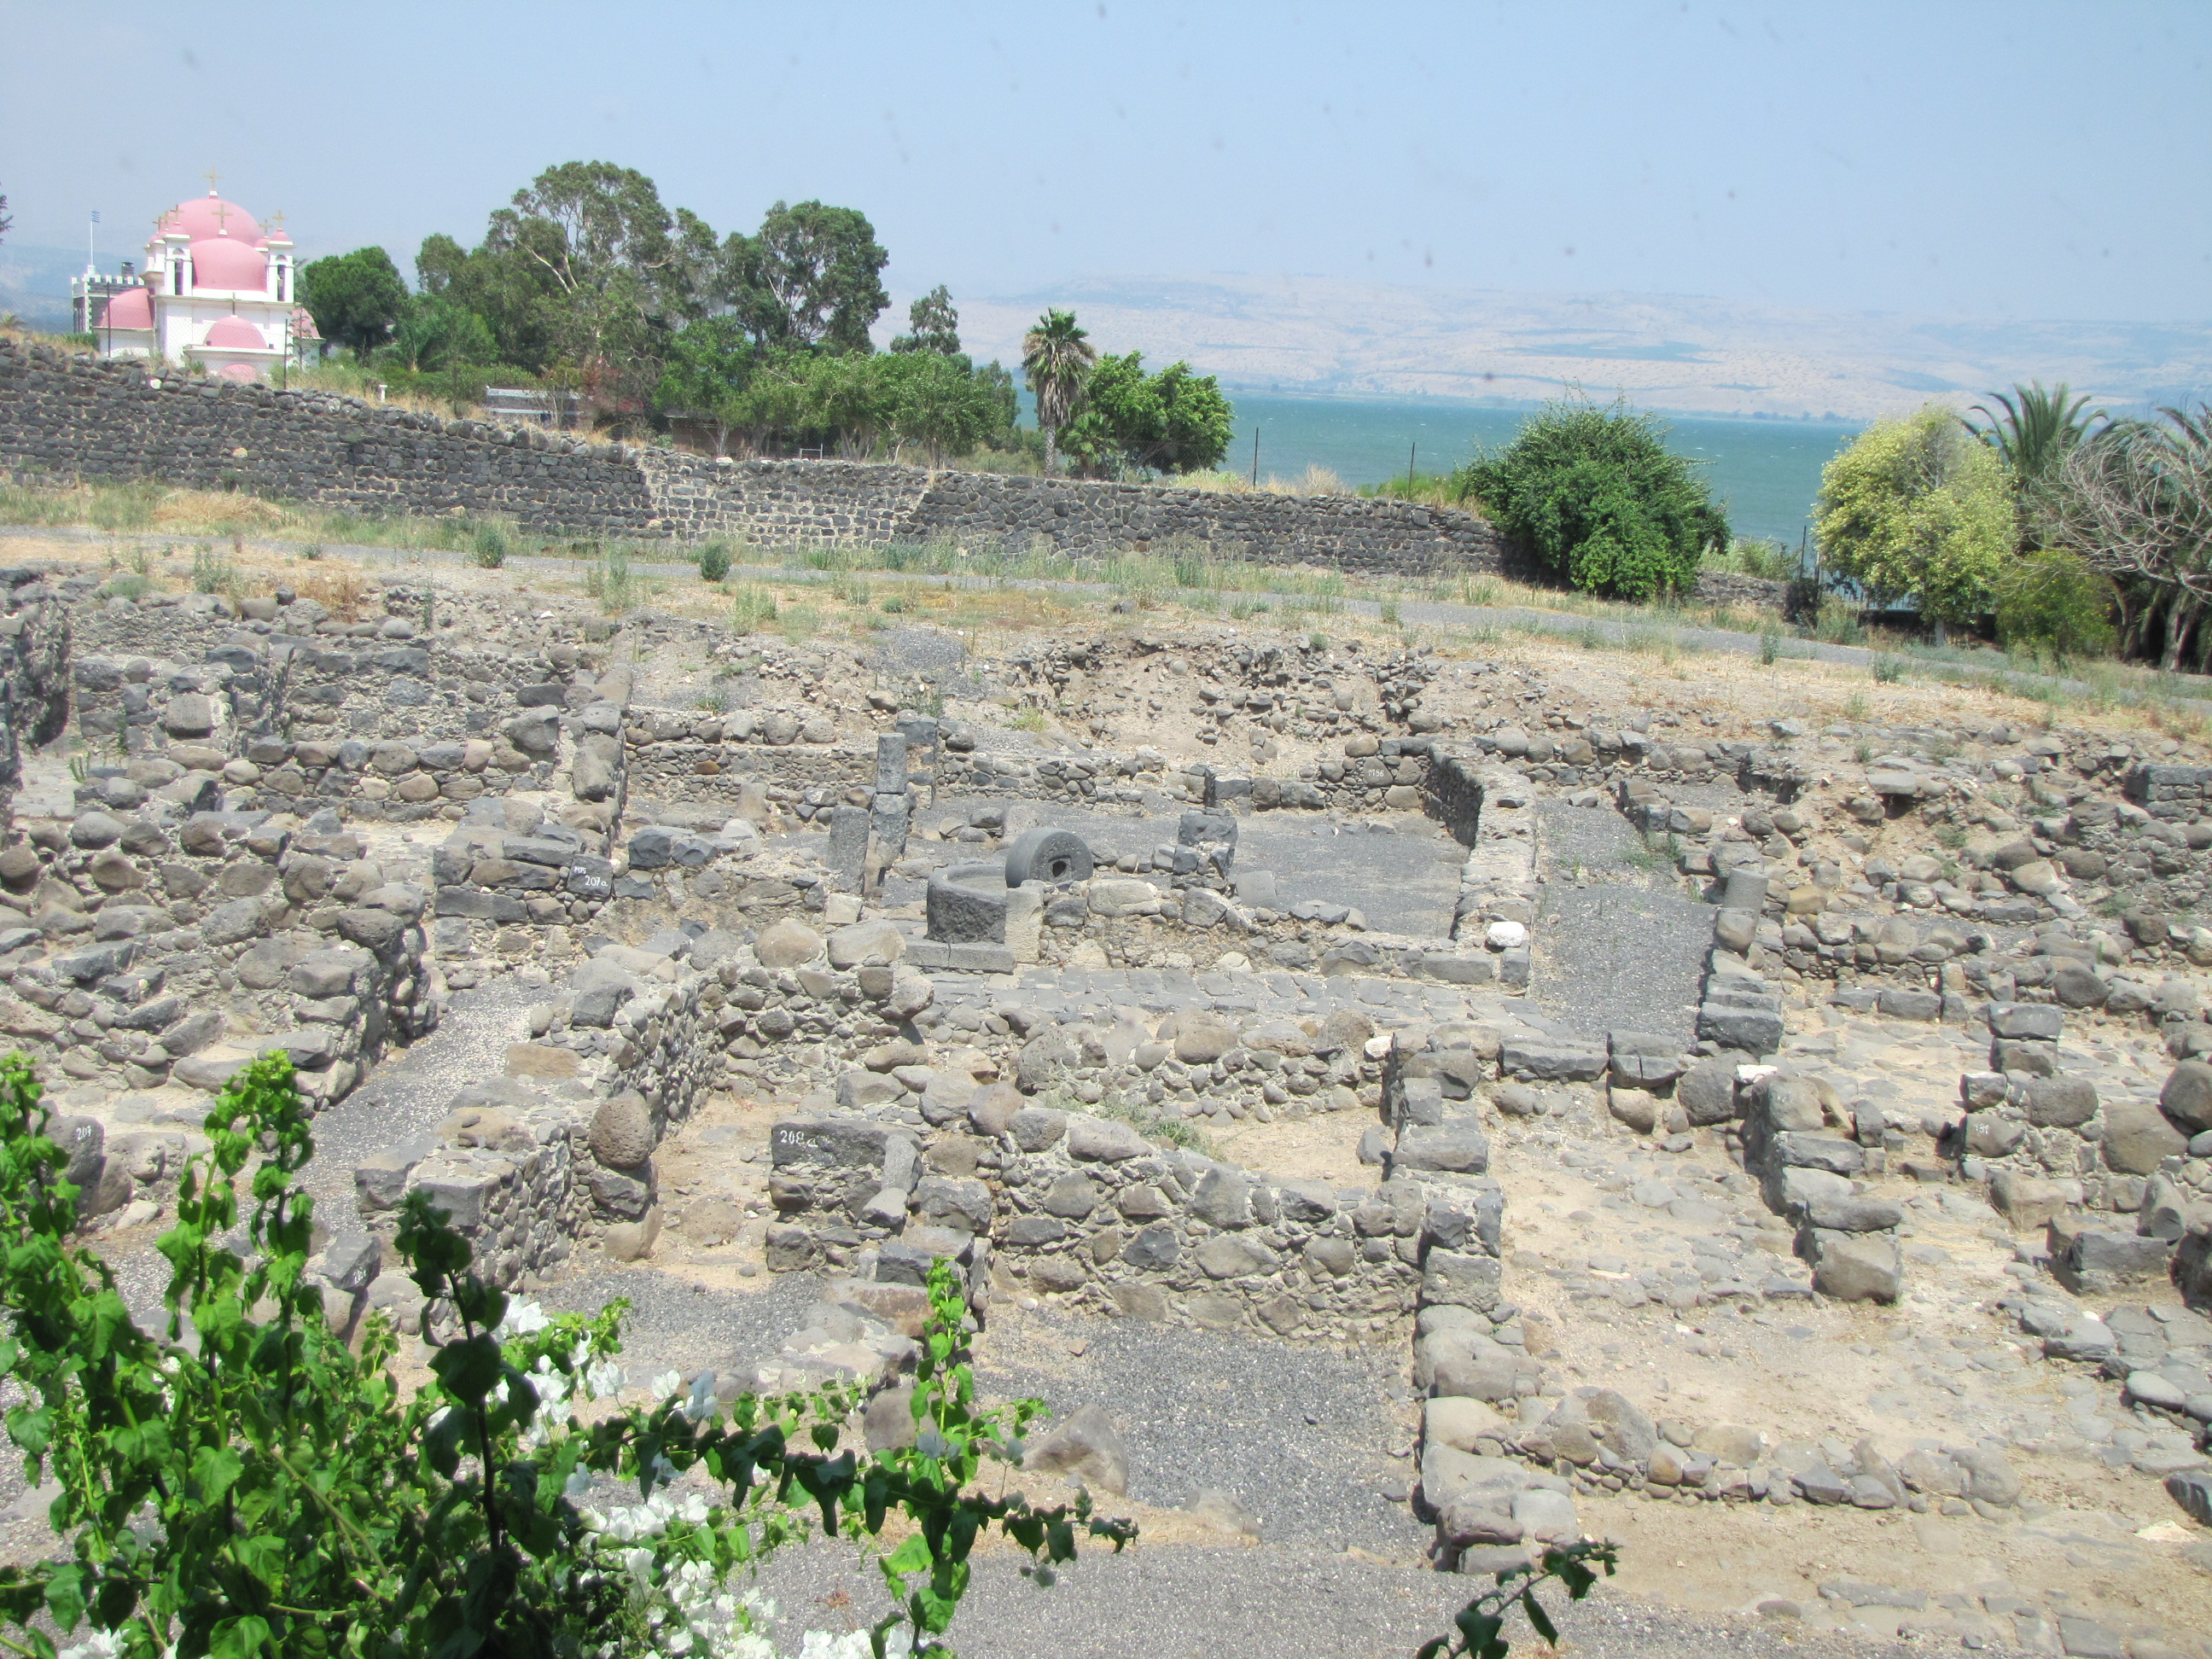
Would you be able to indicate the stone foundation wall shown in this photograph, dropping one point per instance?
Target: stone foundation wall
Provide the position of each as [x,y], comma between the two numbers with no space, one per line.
[292,934]
[68,417]
[35,632]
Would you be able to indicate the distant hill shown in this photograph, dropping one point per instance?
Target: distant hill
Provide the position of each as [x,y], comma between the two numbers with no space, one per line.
[1319,337]
[34,281]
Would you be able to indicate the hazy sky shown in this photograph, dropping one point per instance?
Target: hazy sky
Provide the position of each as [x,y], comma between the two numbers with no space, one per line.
[2001,160]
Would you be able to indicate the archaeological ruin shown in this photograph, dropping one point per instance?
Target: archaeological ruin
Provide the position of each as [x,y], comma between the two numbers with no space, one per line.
[1603,1098]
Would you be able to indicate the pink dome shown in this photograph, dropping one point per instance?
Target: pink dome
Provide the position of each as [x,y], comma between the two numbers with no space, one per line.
[210,216]
[238,372]
[132,308]
[234,334]
[219,262]
[303,325]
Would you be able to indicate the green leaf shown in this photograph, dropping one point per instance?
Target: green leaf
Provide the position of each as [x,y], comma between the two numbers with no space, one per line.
[265,1555]
[1477,1629]
[912,1556]
[469,1368]
[215,1469]
[65,1596]
[1539,1620]
[237,1638]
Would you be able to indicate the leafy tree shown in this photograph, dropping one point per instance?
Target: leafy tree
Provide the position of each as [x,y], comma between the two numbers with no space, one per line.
[1056,357]
[1917,507]
[942,405]
[7,220]
[2135,503]
[1597,495]
[355,298]
[2051,601]
[586,267]
[1171,422]
[237,1482]
[812,277]
[932,324]
[850,397]
[710,363]
[435,331]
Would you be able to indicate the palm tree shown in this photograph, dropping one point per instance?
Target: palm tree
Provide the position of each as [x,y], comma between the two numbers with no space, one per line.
[2038,428]
[1056,354]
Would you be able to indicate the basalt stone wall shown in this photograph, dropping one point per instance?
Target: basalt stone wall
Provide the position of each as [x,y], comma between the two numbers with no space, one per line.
[75,417]
[34,650]
[63,416]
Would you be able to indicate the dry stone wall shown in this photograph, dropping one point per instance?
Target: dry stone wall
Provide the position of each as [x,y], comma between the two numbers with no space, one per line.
[64,417]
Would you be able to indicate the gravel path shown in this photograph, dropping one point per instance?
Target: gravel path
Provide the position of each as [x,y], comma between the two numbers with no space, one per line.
[410,1093]
[1299,1435]
[1191,1602]
[676,1324]
[1615,952]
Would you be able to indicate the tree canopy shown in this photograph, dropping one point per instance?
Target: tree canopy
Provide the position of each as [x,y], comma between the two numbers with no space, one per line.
[932,324]
[1917,507]
[811,276]
[1175,421]
[355,298]
[1597,495]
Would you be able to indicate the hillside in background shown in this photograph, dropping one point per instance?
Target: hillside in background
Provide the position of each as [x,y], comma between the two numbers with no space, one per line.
[1321,337]
[1314,337]
[34,281]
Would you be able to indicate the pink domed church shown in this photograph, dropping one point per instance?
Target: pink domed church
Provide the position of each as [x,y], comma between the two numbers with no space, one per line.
[216,290]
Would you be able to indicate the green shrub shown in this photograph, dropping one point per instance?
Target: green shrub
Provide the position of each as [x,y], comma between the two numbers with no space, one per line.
[713,560]
[488,547]
[1887,671]
[1770,647]
[751,609]
[610,581]
[235,1480]
[212,572]
[1757,555]
[1595,494]
[2053,602]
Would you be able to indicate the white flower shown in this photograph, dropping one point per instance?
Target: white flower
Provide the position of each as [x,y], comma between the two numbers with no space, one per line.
[667,1385]
[704,1407]
[97,1644]
[523,1319]
[578,1484]
[602,1378]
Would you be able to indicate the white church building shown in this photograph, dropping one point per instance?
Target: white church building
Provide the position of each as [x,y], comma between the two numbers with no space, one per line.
[217,289]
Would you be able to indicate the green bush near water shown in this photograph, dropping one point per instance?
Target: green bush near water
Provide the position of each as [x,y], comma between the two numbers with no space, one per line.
[1595,494]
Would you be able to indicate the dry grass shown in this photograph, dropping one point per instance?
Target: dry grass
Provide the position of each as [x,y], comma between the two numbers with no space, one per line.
[1314,481]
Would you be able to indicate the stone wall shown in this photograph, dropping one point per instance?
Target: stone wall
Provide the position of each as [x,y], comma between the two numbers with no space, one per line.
[34,652]
[66,417]
[158,929]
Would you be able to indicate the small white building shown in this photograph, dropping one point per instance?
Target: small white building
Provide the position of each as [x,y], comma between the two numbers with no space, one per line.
[217,289]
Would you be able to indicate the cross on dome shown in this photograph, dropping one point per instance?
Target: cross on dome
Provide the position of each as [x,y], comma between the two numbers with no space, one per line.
[213,179]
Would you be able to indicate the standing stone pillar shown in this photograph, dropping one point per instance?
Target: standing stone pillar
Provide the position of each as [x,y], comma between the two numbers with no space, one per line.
[892,813]
[891,763]
[848,857]
[923,732]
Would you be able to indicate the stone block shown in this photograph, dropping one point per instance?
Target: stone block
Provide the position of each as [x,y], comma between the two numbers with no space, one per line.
[1451,1279]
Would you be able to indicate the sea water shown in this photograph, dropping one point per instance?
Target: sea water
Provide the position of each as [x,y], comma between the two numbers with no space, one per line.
[1766,472]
